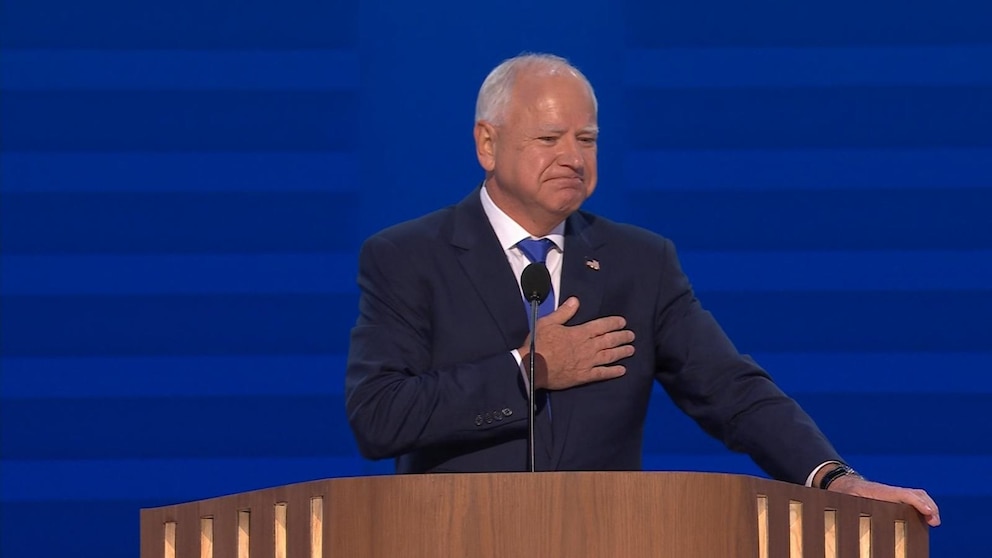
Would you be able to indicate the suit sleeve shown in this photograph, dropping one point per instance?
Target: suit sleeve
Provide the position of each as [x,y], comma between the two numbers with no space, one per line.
[730,396]
[396,400]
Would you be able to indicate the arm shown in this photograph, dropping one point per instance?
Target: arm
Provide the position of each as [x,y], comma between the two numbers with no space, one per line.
[730,397]
[736,401]
[397,399]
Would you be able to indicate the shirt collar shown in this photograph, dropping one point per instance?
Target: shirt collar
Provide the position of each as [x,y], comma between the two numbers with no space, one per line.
[509,232]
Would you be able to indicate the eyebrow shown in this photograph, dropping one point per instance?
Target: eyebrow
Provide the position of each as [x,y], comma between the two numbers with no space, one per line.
[559,130]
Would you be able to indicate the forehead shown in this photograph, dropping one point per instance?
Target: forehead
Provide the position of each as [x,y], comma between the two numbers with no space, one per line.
[558,97]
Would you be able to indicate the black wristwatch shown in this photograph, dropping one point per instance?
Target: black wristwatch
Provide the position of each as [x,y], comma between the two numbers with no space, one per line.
[842,470]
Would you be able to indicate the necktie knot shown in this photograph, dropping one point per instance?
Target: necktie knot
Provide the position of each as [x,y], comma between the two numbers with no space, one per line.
[536,250]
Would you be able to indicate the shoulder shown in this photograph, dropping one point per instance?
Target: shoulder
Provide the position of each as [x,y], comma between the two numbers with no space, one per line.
[637,238]
[421,231]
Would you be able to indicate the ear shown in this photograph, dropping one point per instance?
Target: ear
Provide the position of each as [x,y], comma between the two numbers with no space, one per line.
[485,145]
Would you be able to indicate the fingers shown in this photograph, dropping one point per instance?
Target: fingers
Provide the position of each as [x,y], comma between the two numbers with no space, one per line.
[922,501]
[614,354]
[563,313]
[595,328]
[600,373]
[915,497]
[601,326]
[614,339]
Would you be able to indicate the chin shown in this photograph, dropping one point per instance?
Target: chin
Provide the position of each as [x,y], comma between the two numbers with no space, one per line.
[571,205]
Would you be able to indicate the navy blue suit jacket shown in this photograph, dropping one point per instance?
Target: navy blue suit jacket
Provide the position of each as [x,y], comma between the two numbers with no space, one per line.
[432,382]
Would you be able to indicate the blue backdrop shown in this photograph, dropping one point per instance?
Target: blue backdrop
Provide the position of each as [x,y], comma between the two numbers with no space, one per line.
[185,185]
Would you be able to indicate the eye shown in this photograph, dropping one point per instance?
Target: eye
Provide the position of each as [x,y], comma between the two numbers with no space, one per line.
[547,139]
[588,140]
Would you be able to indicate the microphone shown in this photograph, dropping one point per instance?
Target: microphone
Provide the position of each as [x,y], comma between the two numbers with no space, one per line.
[535,282]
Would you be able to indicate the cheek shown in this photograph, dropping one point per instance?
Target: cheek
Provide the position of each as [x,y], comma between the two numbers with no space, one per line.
[544,164]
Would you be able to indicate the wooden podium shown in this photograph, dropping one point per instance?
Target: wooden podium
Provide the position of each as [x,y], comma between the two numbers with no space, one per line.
[510,515]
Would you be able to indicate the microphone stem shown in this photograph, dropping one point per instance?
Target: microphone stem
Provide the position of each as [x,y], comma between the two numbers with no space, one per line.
[531,457]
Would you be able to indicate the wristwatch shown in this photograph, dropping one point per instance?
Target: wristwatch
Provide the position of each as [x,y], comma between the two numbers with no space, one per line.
[841,470]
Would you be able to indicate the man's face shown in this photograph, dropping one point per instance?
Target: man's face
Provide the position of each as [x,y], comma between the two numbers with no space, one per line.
[542,157]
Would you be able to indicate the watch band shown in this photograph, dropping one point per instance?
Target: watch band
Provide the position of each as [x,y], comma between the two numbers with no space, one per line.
[841,470]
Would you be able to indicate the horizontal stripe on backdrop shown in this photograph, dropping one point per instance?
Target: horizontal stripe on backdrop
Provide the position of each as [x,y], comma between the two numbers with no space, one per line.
[114,377]
[809,117]
[770,23]
[172,70]
[676,68]
[844,170]
[178,223]
[194,479]
[180,25]
[180,121]
[285,426]
[839,220]
[330,171]
[197,274]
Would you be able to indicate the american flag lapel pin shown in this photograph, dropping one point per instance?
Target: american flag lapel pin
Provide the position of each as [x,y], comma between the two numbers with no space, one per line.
[592,264]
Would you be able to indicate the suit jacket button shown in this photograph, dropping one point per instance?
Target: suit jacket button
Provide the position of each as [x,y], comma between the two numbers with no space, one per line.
[478,420]
[507,412]
[489,418]
[497,415]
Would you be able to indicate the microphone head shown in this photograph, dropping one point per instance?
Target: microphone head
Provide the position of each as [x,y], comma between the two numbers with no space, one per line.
[535,282]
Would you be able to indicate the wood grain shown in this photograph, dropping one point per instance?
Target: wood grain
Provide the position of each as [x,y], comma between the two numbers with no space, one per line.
[573,515]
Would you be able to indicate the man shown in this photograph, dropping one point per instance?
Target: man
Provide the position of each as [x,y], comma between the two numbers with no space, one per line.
[435,375]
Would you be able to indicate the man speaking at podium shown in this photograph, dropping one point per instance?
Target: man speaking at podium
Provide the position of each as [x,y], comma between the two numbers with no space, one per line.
[436,366]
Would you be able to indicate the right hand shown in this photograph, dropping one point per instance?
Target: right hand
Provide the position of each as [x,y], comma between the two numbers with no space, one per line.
[569,356]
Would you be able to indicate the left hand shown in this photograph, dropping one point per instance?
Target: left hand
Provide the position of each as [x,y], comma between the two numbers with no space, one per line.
[916,497]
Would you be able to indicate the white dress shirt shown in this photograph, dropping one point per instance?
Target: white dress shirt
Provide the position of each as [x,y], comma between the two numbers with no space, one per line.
[509,233]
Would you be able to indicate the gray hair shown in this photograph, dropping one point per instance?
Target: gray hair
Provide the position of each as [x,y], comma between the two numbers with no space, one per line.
[496,90]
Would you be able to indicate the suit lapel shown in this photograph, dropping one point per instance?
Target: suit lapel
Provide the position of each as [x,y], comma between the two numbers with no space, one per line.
[581,278]
[485,264]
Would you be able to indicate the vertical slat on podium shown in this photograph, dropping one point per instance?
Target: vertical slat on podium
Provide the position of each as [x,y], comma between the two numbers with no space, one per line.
[917,538]
[762,517]
[900,529]
[206,536]
[298,523]
[813,526]
[864,536]
[152,533]
[883,533]
[328,528]
[225,531]
[318,513]
[262,525]
[796,535]
[830,539]
[187,532]
[279,527]
[169,539]
[778,526]
[848,531]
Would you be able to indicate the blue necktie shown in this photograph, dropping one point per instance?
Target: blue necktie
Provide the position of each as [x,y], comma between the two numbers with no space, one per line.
[537,252]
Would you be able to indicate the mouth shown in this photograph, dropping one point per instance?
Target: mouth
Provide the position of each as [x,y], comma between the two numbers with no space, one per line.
[568,181]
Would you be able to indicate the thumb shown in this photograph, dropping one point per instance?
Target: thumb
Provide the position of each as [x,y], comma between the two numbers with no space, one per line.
[564,312]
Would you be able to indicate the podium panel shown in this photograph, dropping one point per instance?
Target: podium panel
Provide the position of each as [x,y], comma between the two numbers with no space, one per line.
[501,515]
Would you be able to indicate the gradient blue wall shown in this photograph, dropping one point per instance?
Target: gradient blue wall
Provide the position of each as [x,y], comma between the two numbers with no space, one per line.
[185,186]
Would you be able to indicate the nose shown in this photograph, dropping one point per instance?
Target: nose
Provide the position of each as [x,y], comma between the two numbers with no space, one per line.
[571,155]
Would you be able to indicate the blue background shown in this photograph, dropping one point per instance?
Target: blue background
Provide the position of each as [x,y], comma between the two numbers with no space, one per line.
[185,185]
